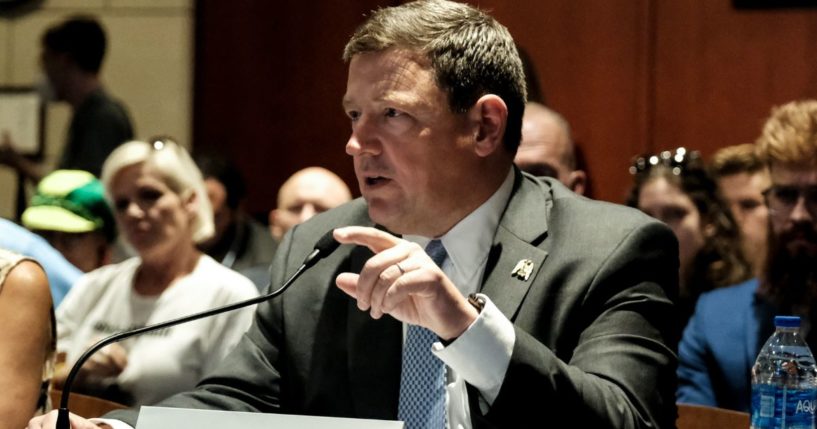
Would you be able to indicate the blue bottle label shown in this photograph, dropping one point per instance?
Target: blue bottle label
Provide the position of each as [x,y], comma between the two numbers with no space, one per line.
[782,408]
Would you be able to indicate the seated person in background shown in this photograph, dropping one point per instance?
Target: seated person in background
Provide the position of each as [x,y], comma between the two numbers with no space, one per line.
[69,210]
[676,189]
[163,211]
[742,178]
[239,242]
[26,339]
[569,321]
[731,324]
[306,193]
[547,148]
[61,274]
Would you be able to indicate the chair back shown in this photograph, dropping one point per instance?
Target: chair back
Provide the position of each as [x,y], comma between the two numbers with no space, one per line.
[701,417]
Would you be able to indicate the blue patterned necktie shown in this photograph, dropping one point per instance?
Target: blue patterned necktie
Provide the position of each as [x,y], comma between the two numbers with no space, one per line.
[422,380]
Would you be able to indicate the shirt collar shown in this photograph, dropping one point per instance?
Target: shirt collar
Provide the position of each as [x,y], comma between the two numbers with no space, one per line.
[469,241]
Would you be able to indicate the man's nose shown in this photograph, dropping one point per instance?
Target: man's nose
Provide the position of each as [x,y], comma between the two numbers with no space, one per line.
[307,211]
[364,138]
[800,212]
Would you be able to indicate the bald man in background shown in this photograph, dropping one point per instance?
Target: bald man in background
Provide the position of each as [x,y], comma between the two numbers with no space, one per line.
[547,148]
[306,193]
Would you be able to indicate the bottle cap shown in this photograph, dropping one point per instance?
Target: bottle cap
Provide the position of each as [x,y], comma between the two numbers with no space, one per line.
[787,321]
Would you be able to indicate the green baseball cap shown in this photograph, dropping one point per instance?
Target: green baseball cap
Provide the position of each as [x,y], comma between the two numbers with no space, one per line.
[70,201]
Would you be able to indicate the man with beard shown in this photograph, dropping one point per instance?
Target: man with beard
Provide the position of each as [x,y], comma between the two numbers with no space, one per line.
[729,326]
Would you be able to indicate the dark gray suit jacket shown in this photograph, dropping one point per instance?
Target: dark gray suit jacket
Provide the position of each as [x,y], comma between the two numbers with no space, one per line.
[594,338]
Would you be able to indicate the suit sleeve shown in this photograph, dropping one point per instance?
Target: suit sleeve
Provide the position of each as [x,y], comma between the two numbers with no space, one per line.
[621,373]
[694,381]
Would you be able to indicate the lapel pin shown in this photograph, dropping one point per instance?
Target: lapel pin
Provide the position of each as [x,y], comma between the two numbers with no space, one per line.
[523,269]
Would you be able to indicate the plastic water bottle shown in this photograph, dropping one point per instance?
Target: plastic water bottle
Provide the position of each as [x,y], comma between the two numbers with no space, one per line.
[784,389]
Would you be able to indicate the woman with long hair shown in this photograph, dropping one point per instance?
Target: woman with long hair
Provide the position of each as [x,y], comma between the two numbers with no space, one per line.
[675,187]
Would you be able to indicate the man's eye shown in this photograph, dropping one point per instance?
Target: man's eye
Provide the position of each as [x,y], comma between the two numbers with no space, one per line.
[811,194]
[393,113]
[787,195]
[749,204]
[353,116]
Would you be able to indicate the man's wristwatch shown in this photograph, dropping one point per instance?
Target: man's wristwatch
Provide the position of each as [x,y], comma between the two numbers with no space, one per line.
[477,301]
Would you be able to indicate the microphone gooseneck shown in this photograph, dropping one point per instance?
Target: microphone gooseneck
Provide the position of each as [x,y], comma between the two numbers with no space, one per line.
[323,248]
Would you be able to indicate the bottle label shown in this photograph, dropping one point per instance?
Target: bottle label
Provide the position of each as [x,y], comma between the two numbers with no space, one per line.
[782,408]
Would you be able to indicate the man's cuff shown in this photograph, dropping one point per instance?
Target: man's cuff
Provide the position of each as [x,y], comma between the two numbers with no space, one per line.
[482,353]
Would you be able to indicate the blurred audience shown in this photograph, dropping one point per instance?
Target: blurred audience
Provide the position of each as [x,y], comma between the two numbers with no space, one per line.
[239,241]
[730,325]
[72,54]
[547,148]
[306,193]
[69,210]
[162,209]
[26,340]
[61,273]
[742,178]
[674,187]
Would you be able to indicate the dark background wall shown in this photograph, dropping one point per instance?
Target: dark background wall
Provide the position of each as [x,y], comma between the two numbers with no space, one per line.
[631,76]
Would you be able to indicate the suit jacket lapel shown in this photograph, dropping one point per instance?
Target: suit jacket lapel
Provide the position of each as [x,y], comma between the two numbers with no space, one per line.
[522,227]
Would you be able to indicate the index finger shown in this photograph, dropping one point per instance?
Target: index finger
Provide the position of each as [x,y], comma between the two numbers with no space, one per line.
[375,239]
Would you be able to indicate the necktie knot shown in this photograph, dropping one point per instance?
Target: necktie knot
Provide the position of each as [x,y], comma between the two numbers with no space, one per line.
[436,251]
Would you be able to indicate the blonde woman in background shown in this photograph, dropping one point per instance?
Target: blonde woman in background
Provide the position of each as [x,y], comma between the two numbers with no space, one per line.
[162,210]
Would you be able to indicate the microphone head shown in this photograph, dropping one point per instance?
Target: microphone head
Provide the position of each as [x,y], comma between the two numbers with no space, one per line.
[327,244]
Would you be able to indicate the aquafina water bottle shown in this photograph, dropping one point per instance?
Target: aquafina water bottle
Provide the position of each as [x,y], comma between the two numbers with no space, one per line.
[784,389]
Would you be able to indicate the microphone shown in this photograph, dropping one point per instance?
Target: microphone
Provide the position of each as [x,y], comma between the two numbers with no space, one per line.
[323,248]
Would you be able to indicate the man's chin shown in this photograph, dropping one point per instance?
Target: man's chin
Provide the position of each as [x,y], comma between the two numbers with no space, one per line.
[381,214]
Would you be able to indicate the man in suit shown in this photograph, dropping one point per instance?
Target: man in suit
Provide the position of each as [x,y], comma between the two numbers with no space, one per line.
[541,314]
[720,346]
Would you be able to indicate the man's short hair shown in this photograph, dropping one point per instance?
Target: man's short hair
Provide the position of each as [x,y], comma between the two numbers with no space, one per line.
[790,134]
[741,158]
[82,38]
[470,52]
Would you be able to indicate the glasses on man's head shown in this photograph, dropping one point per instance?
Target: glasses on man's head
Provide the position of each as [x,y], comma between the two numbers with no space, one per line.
[676,161]
[781,199]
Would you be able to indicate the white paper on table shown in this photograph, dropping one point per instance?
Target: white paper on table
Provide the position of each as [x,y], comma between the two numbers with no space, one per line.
[183,418]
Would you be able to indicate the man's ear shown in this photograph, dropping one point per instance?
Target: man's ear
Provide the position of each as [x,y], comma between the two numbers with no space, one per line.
[491,114]
[578,181]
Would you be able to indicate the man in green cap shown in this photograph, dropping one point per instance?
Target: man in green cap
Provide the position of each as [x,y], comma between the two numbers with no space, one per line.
[69,210]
